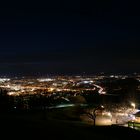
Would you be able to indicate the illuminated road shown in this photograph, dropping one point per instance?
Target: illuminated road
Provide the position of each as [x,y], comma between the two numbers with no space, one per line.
[101,90]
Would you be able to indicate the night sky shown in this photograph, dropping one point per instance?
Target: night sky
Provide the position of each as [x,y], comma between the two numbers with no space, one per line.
[65,37]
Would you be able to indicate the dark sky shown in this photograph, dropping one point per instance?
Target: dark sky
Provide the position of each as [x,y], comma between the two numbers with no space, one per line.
[69,37]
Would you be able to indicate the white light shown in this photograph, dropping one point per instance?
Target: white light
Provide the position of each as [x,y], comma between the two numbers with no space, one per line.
[50,89]
[11,93]
[102,106]
[8,86]
[133,105]
[45,80]
[4,79]
[109,114]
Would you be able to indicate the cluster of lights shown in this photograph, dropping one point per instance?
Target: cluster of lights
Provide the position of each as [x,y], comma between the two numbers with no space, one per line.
[4,79]
[11,93]
[45,80]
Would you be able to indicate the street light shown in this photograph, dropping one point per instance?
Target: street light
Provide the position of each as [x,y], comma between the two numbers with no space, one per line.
[102,107]
[133,105]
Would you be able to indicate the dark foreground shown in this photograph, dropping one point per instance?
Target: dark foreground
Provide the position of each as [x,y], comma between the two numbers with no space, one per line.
[33,126]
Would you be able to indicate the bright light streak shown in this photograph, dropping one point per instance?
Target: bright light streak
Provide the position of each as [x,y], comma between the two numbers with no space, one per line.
[45,80]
